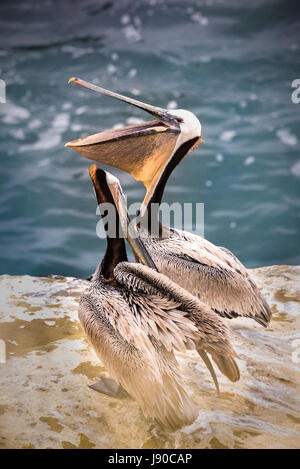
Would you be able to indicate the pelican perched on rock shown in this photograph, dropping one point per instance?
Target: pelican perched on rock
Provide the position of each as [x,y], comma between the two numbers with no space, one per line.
[149,152]
[136,317]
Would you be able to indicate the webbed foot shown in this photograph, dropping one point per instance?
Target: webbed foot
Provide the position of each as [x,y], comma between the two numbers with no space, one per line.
[109,387]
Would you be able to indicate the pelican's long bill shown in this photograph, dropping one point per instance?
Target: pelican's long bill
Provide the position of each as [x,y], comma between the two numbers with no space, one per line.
[103,180]
[143,150]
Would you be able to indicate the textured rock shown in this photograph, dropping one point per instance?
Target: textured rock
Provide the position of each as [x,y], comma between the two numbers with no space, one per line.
[45,400]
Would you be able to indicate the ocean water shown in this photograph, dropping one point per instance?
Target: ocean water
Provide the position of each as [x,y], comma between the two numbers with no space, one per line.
[230,62]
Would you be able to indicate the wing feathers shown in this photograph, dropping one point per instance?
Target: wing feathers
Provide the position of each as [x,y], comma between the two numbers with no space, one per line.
[227,366]
[210,368]
[152,379]
[211,273]
[181,320]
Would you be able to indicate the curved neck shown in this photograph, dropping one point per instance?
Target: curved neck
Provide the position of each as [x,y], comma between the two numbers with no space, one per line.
[115,246]
[115,253]
[157,196]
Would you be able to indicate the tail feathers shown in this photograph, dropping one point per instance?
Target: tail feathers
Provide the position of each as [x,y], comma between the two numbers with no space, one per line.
[210,368]
[167,403]
[260,321]
[227,365]
[175,407]
[162,399]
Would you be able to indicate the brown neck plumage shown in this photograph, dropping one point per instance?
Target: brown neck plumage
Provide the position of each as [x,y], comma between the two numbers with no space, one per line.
[115,249]
[152,211]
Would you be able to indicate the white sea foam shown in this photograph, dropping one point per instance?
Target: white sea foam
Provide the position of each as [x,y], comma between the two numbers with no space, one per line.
[132,33]
[205,59]
[295,169]
[76,127]
[118,125]
[134,120]
[13,114]
[51,137]
[18,134]
[111,68]
[200,19]
[66,106]
[80,110]
[249,160]
[77,52]
[228,135]
[172,105]
[287,137]
[132,73]
[125,19]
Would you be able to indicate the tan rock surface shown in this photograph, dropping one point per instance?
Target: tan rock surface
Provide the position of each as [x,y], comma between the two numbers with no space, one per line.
[45,400]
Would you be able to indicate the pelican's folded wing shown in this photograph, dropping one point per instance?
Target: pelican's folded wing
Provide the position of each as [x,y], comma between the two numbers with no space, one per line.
[174,317]
[211,273]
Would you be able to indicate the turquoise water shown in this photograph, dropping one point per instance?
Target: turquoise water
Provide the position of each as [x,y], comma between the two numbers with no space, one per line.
[231,63]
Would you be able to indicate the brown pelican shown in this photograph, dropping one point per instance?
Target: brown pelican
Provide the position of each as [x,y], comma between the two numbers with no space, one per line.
[136,317]
[149,152]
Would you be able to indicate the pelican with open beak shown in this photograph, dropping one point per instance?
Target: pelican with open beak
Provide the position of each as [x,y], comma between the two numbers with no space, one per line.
[136,317]
[148,151]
